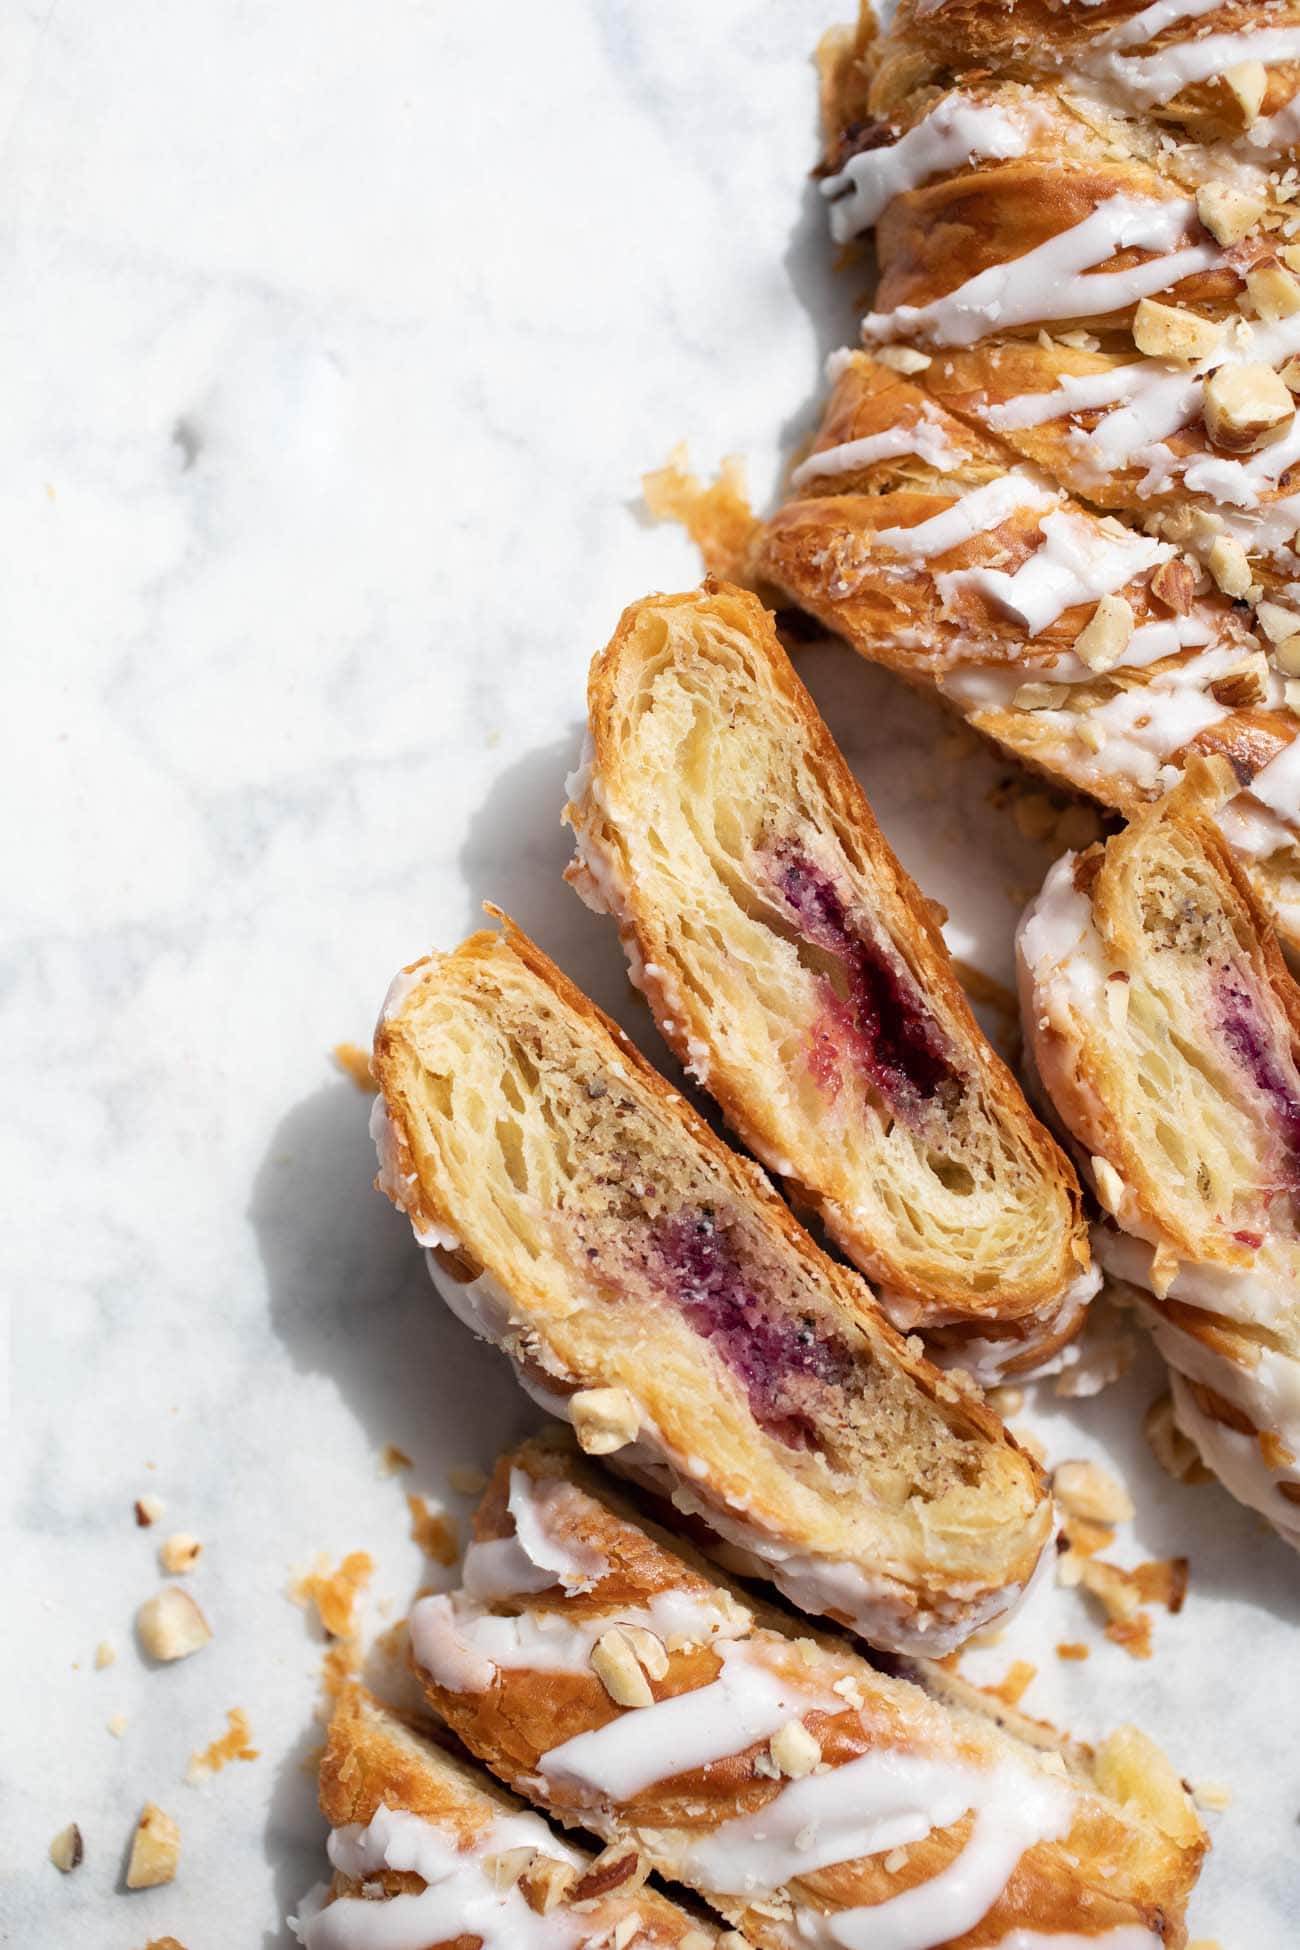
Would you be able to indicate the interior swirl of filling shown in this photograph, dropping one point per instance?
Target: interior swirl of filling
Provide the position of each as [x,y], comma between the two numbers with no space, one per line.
[1246,1033]
[873,1015]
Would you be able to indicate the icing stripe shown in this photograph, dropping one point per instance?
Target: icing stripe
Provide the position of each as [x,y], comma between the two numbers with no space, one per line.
[954,133]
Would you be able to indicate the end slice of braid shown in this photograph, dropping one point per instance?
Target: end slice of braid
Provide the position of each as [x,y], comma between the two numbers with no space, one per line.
[798,971]
[652,1288]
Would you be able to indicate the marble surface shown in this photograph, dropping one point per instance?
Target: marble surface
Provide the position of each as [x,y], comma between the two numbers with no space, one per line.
[334,340]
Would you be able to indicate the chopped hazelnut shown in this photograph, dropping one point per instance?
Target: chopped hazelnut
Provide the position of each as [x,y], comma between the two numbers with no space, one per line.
[1228,214]
[148,1509]
[619,1671]
[604,1419]
[1273,292]
[180,1553]
[1086,1490]
[902,358]
[503,1871]
[619,1866]
[1174,584]
[1290,375]
[1228,565]
[1165,332]
[1246,407]
[546,1882]
[1291,694]
[1276,622]
[1105,636]
[67,1850]
[155,1849]
[1247,83]
[651,1653]
[1286,656]
[795,1750]
[171,1626]
[1110,1186]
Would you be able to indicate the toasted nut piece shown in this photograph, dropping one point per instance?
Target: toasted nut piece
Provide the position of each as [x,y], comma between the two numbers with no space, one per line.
[1247,83]
[616,1666]
[1115,1588]
[1246,407]
[1165,332]
[1277,623]
[547,1882]
[503,1871]
[1228,565]
[171,1626]
[1174,584]
[620,1866]
[604,1419]
[651,1653]
[1105,636]
[1273,292]
[1290,375]
[105,1654]
[148,1509]
[67,1850]
[155,1849]
[1131,1769]
[1110,1186]
[1287,656]
[180,1553]
[1228,214]
[1086,1490]
[795,1750]
[902,358]
[1040,697]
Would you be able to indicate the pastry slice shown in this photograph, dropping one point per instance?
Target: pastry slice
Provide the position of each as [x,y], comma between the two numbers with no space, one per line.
[1165,1027]
[609,1674]
[651,1288]
[801,977]
[1077,644]
[428,1853]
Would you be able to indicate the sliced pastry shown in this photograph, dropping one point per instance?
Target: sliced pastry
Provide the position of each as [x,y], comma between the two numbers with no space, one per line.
[1165,1028]
[1082,646]
[428,1853]
[812,1800]
[801,977]
[652,1289]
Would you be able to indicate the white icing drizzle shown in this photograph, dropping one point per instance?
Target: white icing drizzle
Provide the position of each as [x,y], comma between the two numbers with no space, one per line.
[955,132]
[1277,784]
[925,437]
[1153,20]
[459,1900]
[1058,278]
[1153,78]
[1077,392]
[1080,560]
[972,514]
[531,1502]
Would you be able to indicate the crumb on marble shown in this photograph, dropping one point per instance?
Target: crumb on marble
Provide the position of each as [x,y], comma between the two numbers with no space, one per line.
[148,1509]
[1072,1649]
[67,1850]
[1214,1796]
[155,1849]
[354,1061]
[180,1553]
[117,1725]
[718,519]
[1012,1688]
[1163,1581]
[334,1593]
[392,1459]
[432,1530]
[234,1744]
[1133,1634]
[467,1479]
[170,1625]
[105,1655]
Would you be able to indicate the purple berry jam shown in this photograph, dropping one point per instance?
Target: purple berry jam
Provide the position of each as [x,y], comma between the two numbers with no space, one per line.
[774,1355]
[1248,1038]
[880,1022]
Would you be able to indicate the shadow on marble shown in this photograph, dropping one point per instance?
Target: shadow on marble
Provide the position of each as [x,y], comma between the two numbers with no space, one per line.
[831,299]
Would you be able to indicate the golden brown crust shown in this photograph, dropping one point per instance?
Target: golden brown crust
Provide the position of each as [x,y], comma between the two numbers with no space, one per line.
[1114,1865]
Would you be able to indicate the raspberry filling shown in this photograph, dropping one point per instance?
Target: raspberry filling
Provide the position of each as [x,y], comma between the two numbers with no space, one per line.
[781,1359]
[1248,1037]
[879,1021]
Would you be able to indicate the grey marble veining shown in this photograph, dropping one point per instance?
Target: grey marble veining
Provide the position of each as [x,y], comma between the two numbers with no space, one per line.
[333,342]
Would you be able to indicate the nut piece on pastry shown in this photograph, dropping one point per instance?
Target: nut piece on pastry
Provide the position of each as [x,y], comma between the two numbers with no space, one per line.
[808,1797]
[593,1226]
[979,578]
[427,1851]
[799,974]
[1190,1099]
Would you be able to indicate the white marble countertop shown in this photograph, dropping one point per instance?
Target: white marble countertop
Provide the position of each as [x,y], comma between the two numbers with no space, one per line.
[335,338]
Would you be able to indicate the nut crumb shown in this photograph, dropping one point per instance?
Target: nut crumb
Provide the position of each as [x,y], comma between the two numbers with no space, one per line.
[354,1061]
[901,358]
[604,1419]
[67,1850]
[619,1671]
[1212,1795]
[180,1553]
[1115,1589]
[155,1849]
[171,1626]
[1163,1581]
[1086,1490]
[105,1654]
[1006,1400]
[546,1882]
[795,1750]
[148,1509]
[432,1530]
[1228,214]
[117,1725]
[233,1744]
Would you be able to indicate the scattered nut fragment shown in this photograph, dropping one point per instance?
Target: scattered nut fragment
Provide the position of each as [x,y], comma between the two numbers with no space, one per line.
[546,1882]
[1228,214]
[1246,407]
[1273,292]
[1041,697]
[1247,83]
[1015,1683]
[171,1626]
[148,1509]
[1290,375]
[1213,1795]
[1277,622]
[1228,565]
[164,1943]
[616,1666]
[392,1459]
[180,1553]
[467,1479]
[1163,1581]
[1165,332]
[619,1866]
[335,1593]
[67,1850]
[1174,584]
[117,1725]
[155,1849]
[1105,636]
[1176,1454]
[795,1750]
[503,1871]
[1116,1588]
[1110,1186]
[902,358]
[105,1654]
[1086,1490]
[1131,1769]
[650,1650]
[604,1419]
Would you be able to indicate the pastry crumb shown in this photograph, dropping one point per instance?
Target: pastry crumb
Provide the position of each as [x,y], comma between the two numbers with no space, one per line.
[1072,1649]
[334,1593]
[1084,1489]
[180,1553]
[148,1509]
[392,1459]
[67,1850]
[233,1744]
[354,1061]
[171,1626]
[467,1479]
[1163,1581]
[1134,1634]
[117,1725]
[1016,1682]
[718,519]
[432,1530]
[155,1849]
[105,1654]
